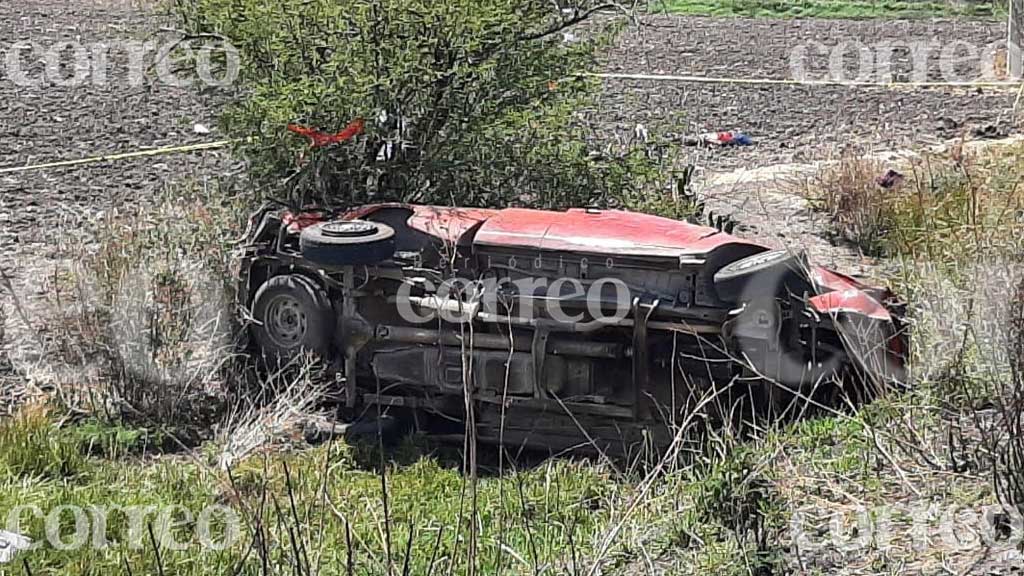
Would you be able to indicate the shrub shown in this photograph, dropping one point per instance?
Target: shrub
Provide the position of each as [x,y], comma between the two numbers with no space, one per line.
[737,493]
[848,192]
[954,227]
[152,310]
[1009,445]
[464,102]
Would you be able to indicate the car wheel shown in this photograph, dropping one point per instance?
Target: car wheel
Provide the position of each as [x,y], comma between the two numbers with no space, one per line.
[347,243]
[295,317]
[770,273]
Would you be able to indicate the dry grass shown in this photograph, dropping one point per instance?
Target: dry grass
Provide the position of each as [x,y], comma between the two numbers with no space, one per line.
[6,369]
[848,193]
[722,508]
[944,205]
[143,314]
[951,230]
[258,422]
[1008,447]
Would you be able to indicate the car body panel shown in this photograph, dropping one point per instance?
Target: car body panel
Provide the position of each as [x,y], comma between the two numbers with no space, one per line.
[605,232]
[843,294]
[611,232]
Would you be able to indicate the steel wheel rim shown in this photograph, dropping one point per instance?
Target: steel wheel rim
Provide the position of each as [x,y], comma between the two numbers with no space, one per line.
[348,229]
[757,260]
[285,321]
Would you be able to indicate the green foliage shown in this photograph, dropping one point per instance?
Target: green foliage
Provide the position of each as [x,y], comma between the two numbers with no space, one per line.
[524,520]
[834,445]
[465,102]
[731,491]
[553,514]
[113,441]
[32,447]
[733,515]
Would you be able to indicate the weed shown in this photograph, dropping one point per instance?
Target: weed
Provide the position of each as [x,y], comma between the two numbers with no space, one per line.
[1008,447]
[847,191]
[149,306]
[952,226]
[32,447]
[944,208]
[113,441]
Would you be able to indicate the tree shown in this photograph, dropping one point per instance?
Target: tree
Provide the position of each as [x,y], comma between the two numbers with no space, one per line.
[471,102]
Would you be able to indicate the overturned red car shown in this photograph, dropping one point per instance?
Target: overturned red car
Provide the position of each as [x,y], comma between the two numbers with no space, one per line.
[560,329]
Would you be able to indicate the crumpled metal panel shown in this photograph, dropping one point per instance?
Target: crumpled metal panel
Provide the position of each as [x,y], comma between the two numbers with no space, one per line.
[845,294]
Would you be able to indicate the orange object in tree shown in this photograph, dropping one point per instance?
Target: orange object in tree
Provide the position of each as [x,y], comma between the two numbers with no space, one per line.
[318,139]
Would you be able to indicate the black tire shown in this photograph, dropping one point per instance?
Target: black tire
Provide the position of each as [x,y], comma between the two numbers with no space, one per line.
[294,317]
[770,273]
[347,243]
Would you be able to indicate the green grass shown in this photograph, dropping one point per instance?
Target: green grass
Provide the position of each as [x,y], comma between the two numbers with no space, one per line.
[534,514]
[825,8]
[554,514]
[723,513]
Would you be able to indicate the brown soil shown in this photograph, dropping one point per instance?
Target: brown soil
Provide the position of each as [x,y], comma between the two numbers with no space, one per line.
[790,124]
[795,123]
[47,123]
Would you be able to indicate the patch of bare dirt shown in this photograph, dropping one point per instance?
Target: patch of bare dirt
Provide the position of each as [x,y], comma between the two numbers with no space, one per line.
[799,123]
[771,205]
[794,127]
[50,122]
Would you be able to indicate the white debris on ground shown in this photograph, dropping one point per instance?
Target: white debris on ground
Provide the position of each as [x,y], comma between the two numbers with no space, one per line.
[11,544]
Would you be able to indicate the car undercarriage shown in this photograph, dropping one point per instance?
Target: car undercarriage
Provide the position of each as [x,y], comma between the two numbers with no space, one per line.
[555,330]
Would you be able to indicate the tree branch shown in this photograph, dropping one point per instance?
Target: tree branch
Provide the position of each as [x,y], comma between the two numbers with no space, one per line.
[577,18]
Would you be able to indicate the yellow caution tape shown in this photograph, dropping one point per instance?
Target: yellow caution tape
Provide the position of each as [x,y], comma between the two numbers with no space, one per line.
[996,84]
[122,156]
[1011,84]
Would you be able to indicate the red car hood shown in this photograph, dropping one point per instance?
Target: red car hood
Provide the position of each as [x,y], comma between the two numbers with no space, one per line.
[612,232]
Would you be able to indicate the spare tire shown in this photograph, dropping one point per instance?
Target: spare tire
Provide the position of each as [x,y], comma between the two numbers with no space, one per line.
[347,243]
[771,273]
